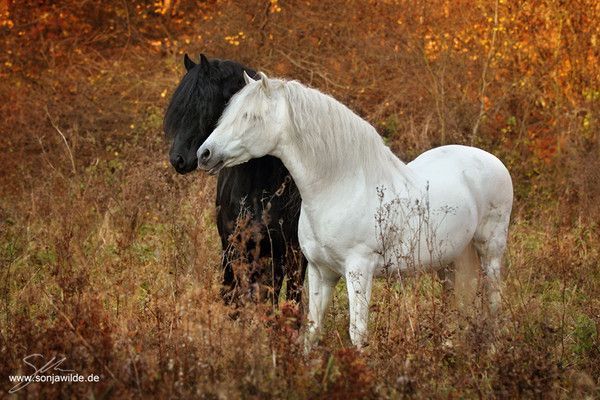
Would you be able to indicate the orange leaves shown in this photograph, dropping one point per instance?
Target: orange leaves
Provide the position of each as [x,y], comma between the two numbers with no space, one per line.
[163,7]
[544,146]
[235,40]
[274,6]
[5,20]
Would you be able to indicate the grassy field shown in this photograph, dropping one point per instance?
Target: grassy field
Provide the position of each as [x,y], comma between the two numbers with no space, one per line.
[112,260]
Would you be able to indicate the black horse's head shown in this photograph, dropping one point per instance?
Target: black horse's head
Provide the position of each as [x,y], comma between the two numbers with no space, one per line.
[197,105]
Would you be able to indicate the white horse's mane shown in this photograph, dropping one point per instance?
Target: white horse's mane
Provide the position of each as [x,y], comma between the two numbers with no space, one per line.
[331,134]
[330,137]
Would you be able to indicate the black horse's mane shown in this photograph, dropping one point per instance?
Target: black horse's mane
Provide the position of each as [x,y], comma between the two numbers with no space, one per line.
[199,88]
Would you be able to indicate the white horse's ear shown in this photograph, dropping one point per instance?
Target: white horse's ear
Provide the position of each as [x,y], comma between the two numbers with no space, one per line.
[247,78]
[265,82]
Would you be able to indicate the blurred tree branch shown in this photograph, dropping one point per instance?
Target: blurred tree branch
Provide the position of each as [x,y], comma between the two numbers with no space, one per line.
[484,80]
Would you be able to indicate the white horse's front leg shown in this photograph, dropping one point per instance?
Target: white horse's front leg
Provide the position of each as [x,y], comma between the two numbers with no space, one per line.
[359,283]
[320,289]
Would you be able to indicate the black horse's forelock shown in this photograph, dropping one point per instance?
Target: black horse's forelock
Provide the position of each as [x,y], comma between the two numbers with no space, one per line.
[184,105]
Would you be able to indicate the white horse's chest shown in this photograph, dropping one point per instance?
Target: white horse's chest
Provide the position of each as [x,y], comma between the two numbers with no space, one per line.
[328,235]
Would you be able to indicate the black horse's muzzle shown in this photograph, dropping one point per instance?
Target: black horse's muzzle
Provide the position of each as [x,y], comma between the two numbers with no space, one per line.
[182,165]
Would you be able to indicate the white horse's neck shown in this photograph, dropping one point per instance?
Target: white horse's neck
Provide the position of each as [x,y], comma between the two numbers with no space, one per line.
[327,145]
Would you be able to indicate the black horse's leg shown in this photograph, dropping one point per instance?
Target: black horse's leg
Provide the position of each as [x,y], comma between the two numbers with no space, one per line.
[229,282]
[278,276]
[295,266]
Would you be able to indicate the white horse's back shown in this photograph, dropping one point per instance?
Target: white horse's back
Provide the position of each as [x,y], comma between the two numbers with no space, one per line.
[456,168]
[443,163]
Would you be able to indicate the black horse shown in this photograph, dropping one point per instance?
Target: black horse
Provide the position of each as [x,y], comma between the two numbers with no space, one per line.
[258,204]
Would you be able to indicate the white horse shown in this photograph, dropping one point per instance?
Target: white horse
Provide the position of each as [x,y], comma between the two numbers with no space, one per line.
[446,200]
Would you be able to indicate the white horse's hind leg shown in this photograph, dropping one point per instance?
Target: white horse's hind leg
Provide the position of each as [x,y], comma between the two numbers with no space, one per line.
[490,242]
[320,289]
[466,274]
[359,283]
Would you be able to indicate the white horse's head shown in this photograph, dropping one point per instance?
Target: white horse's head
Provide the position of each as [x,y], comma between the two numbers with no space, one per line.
[250,127]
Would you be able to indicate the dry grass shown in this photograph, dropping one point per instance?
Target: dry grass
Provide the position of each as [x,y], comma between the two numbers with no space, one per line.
[112,260]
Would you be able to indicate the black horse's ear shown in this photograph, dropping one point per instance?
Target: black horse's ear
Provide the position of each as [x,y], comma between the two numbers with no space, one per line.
[204,63]
[187,61]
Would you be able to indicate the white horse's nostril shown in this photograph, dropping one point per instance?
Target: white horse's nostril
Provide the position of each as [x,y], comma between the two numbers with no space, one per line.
[205,156]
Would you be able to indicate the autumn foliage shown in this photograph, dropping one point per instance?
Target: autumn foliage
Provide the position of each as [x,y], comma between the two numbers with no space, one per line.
[111,259]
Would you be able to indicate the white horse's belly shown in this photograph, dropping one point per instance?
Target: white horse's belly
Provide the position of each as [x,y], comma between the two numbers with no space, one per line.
[433,233]
[445,235]
[423,239]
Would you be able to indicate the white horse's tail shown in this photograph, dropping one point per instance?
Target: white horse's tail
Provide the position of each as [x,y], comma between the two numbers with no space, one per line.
[466,277]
